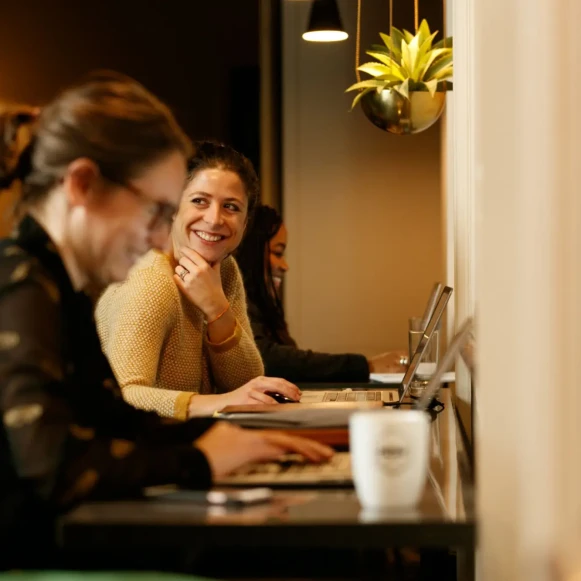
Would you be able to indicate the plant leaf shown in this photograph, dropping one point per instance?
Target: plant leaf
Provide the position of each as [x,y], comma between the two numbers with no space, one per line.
[414,52]
[431,58]
[408,36]
[425,48]
[403,89]
[396,68]
[391,84]
[445,43]
[379,48]
[389,78]
[406,59]
[391,45]
[432,86]
[358,97]
[437,66]
[445,73]
[424,53]
[368,84]
[424,32]
[396,37]
[374,69]
[383,58]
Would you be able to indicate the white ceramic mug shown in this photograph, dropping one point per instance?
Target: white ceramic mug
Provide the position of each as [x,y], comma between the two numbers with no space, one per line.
[389,456]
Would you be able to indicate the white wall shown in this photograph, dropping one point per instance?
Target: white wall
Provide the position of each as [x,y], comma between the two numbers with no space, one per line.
[527,141]
[362,206]
[459,188]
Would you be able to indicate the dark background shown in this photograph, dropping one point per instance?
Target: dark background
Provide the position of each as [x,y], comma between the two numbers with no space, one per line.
[199,56]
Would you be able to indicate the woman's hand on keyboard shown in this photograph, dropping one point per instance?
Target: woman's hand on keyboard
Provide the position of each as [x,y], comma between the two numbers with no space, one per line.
[252,392]
[229,447]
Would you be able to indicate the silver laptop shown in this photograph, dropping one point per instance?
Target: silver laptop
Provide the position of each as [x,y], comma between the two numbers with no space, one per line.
[293,471]
[434,311]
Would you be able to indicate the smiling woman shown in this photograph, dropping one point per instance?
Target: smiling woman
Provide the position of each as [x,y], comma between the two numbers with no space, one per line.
[177,332]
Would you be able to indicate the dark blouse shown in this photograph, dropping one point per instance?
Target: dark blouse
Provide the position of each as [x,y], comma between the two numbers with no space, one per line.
[66,433]
[285,359]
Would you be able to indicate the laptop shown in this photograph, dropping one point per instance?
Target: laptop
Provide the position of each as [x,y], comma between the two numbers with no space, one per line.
[390,396]
[293,471]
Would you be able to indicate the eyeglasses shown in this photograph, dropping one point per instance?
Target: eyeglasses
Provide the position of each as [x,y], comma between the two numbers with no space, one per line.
[162,213]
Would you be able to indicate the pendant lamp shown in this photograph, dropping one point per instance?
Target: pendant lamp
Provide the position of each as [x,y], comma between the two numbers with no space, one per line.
[325,22]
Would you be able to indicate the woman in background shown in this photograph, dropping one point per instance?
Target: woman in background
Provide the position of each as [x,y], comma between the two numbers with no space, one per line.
[101,179]
[263,266]
[194,349]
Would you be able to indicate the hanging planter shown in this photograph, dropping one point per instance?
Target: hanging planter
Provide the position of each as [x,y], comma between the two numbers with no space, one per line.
[392,112]
[410,77]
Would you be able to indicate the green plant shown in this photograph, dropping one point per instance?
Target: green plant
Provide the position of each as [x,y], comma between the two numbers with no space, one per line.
[407,63]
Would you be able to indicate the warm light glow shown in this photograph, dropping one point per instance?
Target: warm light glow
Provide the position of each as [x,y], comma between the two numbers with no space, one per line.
[325,35]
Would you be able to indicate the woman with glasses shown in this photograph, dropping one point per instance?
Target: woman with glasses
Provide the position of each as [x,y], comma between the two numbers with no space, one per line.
[104,170]
[193,352]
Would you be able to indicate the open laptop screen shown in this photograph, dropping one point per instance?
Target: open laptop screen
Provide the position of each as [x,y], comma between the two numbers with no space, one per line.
[423,343]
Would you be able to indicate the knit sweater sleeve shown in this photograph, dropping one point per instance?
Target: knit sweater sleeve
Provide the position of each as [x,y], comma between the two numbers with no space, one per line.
[133,329]
[236,360]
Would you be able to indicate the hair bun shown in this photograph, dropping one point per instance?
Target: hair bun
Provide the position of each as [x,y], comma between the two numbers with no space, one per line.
[14,164]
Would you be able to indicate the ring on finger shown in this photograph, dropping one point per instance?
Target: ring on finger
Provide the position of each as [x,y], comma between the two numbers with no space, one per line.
[183,273]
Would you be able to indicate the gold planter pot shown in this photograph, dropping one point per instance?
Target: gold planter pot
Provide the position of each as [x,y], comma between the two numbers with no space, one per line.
[392,112]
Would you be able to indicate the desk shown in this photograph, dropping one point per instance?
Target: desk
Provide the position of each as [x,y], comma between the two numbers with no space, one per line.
[297,518]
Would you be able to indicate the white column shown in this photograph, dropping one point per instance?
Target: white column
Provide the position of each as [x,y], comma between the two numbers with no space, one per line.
[527,141]
[459,190]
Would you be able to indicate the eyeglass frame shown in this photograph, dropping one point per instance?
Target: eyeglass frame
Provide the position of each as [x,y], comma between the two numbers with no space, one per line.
[163,213]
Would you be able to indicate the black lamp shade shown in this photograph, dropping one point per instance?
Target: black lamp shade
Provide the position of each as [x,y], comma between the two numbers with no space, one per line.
[325,22]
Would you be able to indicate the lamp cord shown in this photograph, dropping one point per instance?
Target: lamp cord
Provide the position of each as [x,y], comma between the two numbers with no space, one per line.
[358,36]
[358,42]
[416,14]
[416,23]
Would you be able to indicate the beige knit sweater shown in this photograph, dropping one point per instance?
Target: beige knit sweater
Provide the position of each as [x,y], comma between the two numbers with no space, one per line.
[156,339]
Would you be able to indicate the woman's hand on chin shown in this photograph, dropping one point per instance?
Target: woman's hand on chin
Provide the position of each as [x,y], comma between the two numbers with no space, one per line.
[200,282]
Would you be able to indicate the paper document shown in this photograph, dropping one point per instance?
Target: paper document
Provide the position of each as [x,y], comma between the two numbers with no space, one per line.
[397,377]
[308,418]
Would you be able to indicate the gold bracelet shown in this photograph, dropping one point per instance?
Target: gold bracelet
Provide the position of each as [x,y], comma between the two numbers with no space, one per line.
[222,313]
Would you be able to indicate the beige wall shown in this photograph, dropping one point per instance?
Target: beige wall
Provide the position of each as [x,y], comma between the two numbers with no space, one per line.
[362,207]
[527,143]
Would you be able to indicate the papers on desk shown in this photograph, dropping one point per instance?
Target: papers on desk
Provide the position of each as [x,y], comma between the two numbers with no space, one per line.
[297,418]
[397,377]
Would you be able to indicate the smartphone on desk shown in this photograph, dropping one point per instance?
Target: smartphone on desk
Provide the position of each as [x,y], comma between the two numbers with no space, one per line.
[227,497]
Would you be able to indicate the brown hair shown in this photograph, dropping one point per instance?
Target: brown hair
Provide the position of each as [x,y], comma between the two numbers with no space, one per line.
[106,117]
[210,155]
[12,120]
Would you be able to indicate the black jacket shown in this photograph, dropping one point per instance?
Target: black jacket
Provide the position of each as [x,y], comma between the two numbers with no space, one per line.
[285,359]
[66,433]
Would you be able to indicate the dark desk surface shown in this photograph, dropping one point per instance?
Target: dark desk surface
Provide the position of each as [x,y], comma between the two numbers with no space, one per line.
[296,518]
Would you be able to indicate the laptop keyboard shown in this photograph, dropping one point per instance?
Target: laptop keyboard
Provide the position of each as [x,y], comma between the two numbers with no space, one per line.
[353,396]
[293,469]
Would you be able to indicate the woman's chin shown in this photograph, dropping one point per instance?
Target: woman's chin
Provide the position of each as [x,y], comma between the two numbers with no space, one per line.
[210,255]
[209,252]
